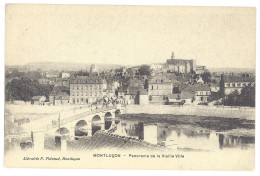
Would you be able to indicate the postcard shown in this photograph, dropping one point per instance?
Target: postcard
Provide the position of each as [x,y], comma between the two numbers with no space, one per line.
[129,87]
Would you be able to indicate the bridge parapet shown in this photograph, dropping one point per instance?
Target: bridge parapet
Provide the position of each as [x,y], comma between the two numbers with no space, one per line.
[76,117]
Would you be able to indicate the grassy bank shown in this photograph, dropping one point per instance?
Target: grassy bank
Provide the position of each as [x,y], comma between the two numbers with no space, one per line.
[213,123]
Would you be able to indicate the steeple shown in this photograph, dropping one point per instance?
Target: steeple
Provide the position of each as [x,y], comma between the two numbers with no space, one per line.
[172,57]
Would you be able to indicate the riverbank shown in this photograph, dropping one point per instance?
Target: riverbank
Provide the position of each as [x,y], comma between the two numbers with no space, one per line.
[207,111]
[218,124]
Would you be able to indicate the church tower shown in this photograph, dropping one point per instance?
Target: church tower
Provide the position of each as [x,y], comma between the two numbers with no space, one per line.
[173,56]
[93,70]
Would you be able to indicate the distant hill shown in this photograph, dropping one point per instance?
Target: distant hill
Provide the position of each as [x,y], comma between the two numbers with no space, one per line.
[45,66]
[232,70]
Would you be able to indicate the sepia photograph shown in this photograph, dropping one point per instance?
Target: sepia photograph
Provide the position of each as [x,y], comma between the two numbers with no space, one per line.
[129,87]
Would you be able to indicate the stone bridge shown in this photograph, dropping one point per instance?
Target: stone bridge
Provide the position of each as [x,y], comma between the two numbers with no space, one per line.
[73,127]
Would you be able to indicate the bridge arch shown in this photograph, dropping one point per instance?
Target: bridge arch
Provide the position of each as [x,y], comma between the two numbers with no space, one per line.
[96,124]
[81,128]
[108,120]
[96,118]
[117,112]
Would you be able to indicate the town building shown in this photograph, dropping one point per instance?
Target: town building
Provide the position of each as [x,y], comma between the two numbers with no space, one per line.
[60,95]
[230,83]
[65,75]
[62,82]
[159,87]
[214,87]
[199,80]
[143,97]
[136,95]
[52,74]
[38,100]
[86,90]
[200,69]
[187,96]
[93,70]
[174,98]
[131,95]
[200,92]
[62,98]
[133,70]
[122,92]
[215,77]
[180,65]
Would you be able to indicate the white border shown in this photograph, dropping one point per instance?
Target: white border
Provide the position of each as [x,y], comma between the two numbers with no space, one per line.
[44,172]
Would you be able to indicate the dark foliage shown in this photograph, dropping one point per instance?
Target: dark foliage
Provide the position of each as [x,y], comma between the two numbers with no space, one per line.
[145,70]
[245,98]
[206,77]
[24,89]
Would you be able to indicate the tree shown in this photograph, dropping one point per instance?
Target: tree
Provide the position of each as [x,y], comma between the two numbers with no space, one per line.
[81,73]
[34,75]
[206,77]
[247,96]
[145,70]
[146,84]
[25,88]
[232,99]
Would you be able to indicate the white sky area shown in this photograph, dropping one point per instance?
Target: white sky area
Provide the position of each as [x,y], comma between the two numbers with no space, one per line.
[218,37]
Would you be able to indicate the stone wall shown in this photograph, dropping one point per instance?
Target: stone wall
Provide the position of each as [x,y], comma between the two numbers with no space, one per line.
[211,111]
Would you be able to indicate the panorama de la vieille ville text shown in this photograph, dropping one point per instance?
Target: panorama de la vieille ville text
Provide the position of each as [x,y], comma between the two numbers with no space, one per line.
[175,104]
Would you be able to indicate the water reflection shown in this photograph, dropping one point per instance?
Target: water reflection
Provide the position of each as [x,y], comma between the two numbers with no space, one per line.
[183,137]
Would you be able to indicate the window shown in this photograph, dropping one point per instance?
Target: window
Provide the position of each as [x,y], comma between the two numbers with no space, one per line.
[77,87]
[81,99]
[152,87]
[72,87]
[77,99]
[86,94]
[201,98]
[238,84]
[234,85]
[81,87]
[81,93]
[86,87]
[244,84]
[77,93]
[90,93]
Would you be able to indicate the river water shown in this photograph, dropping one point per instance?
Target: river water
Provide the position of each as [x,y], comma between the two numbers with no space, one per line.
[185,137]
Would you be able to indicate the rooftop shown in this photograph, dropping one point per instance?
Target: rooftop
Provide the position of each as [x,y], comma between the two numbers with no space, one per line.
[228,78]
[86,80]
[197,87]
[176,61]
[104,140]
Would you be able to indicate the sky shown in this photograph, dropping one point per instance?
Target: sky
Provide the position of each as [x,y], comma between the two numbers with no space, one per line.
[217,37]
